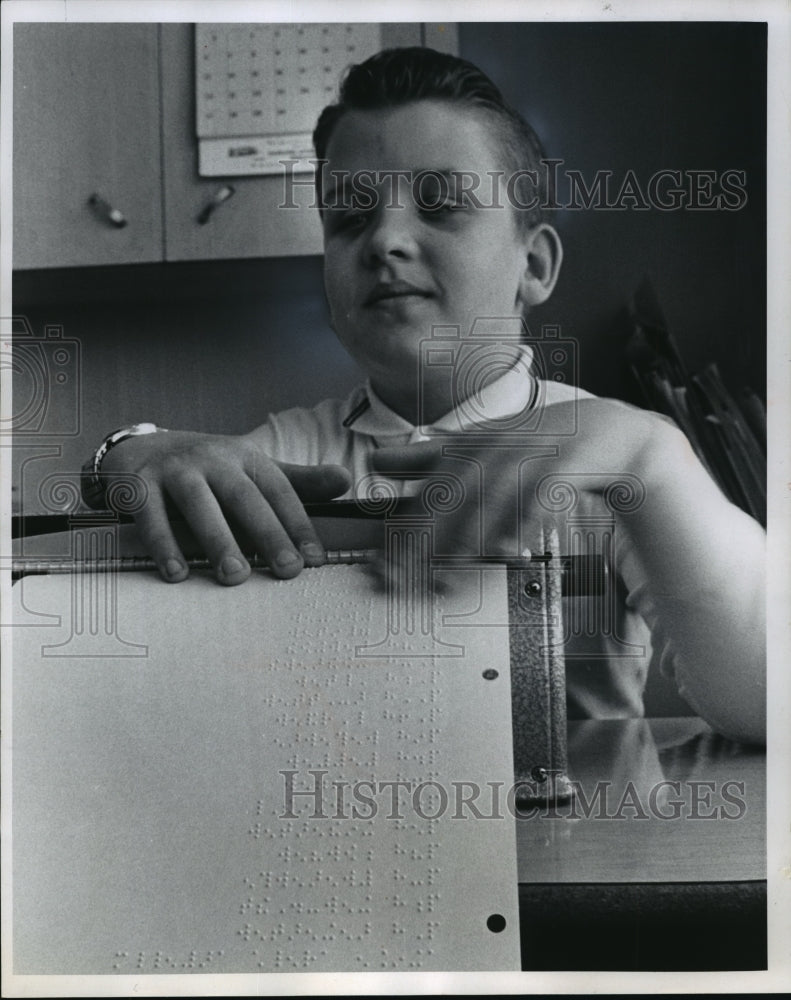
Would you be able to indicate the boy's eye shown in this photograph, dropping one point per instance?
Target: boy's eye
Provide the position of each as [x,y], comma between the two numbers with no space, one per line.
[346,219]
[443,208]
[436,194]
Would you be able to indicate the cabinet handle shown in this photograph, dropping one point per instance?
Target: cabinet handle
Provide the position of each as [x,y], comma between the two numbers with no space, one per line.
[106,211]
[220,196]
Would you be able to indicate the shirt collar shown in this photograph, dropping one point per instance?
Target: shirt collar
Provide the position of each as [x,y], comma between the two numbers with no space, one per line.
[513,392]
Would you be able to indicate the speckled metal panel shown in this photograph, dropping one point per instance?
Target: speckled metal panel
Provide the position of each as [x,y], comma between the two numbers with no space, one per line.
[538,683]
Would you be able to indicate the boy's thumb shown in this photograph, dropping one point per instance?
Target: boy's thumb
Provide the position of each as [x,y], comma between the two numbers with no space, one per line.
[420,458]
[317,482]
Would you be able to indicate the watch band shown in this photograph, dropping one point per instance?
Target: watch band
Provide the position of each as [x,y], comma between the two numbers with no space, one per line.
[91,485]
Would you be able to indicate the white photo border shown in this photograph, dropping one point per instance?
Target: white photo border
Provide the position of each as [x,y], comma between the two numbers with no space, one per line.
[777,14]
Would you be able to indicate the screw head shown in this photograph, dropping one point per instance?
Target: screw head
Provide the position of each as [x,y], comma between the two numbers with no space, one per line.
[532,588]
[490,674]
[539,774]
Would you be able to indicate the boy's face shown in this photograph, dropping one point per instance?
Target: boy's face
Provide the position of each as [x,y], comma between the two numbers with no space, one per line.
[394,270]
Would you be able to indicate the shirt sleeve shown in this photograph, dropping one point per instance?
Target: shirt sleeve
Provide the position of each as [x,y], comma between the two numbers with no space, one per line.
[707,619]
[305,436]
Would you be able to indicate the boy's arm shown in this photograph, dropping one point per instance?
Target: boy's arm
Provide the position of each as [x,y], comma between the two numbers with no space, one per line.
[214,479]
[694,563]
[700,566]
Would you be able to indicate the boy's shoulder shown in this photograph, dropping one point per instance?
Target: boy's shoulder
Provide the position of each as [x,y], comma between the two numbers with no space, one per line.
[308,435]
[560,392]
[328,413]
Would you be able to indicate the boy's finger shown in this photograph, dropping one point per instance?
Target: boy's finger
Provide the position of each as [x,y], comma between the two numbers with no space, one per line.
[273,517]
[292,529]
[458,534]
[155,532]
[317,482]
[203,514]
[419,458]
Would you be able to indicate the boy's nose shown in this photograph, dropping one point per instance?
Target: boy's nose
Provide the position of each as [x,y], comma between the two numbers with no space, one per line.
[391,235]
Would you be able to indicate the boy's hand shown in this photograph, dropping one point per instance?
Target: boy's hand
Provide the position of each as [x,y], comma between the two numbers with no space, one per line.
[212,479]
[498,512]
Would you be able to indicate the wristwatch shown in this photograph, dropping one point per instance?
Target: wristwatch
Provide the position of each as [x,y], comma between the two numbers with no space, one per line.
[92,487]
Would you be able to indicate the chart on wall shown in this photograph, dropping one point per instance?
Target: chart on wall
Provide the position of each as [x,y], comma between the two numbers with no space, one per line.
[261,87]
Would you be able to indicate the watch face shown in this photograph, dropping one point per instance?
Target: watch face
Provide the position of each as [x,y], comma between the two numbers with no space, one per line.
[135,429]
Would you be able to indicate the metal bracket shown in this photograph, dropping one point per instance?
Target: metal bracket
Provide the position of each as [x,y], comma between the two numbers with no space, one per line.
[538,684]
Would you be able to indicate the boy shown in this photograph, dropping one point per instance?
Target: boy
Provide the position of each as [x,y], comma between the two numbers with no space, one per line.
[414,244]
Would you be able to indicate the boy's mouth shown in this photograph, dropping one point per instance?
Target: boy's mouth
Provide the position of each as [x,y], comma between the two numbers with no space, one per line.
[394,290]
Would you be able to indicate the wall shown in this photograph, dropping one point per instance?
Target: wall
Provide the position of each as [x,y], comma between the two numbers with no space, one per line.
[647,97]
[212,346]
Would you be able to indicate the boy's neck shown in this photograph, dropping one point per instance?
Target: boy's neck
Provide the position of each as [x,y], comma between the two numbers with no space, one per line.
[439,393]
[417,411]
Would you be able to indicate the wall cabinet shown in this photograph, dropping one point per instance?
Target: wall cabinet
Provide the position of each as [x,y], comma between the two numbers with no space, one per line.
[108,110]
[86,122]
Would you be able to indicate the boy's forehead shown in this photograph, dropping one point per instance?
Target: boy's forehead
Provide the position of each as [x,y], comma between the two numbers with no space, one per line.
[425,134]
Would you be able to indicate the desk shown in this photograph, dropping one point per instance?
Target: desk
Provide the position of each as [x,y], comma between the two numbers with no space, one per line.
[609,883]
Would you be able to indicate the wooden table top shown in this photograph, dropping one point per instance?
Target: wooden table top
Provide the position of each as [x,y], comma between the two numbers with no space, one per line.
[629,824]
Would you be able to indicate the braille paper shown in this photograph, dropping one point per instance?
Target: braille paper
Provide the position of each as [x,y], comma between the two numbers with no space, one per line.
[277,777]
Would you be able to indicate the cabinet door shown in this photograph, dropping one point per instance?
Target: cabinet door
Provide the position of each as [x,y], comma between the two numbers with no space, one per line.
[86,122]
[250,223]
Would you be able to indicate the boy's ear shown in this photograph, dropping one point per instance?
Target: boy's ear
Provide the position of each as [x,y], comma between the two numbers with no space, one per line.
[544,256]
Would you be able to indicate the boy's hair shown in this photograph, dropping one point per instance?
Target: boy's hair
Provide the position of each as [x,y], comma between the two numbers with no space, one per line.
[396,77]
